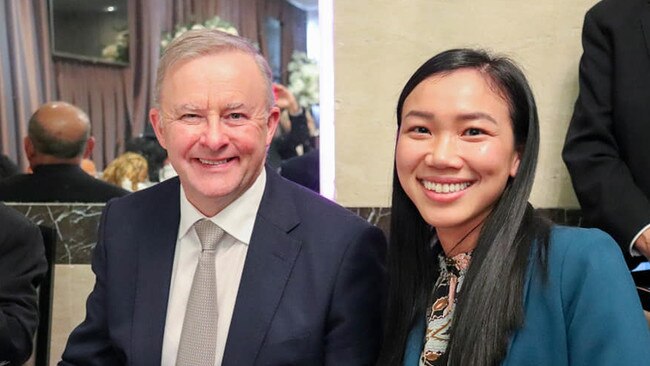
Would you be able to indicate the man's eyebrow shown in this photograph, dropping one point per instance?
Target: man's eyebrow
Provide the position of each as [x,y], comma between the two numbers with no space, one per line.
[187,107]
[231,106]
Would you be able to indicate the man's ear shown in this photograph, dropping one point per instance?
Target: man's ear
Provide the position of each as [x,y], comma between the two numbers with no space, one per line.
[29,147]
[90,145]
[157,124]
[272,124]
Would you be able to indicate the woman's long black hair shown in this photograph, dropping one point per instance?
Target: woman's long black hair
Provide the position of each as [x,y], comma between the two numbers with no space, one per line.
[490,307]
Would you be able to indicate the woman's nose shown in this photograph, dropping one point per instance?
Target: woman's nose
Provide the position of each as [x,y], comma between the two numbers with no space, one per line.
[444,153]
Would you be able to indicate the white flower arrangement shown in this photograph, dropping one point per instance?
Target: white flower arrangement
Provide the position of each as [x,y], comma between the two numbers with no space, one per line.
[119,49]
[303,79]
[212,23]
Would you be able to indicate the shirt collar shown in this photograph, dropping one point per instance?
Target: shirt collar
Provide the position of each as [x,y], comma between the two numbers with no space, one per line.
[237,219]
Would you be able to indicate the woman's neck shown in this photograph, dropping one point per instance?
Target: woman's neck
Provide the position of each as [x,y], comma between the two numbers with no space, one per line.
[455,241]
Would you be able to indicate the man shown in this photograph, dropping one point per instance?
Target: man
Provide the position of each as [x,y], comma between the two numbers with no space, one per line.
[57,141]
[606,147]
[299,280]
[7,167]
[22,266]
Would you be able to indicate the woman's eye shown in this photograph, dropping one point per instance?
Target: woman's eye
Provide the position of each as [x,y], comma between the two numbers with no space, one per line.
[420,129]
[473,132]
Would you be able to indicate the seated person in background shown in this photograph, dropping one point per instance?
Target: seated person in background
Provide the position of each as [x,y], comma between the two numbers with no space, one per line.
[58,138]
[477,277]
[129,171]
[303,169]
[150,149]
[293,133]
[22,266]
[7,167]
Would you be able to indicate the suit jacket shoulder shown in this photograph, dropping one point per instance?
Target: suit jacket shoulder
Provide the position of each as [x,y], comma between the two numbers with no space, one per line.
[57,183]
[22,266]
[587,299]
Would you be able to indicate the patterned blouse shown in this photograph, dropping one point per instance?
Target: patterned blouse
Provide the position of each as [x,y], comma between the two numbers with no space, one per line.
[441,311]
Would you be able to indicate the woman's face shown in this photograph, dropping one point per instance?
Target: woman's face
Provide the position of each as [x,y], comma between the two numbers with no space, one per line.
[455,150]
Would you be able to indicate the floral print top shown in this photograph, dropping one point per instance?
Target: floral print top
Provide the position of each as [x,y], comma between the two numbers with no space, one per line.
[441,311]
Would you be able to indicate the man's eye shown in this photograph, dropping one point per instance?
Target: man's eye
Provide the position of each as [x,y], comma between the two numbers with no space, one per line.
[190,116]
[235,115]
[473,132]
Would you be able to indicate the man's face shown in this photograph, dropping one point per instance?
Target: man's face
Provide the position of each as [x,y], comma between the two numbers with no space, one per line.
[216,126]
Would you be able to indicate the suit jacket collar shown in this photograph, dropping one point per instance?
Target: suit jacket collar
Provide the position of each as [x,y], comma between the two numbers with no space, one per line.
[156,242]
[58,169]
[269,262]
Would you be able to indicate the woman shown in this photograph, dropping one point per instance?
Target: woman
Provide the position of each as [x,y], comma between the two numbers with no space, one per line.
[129,171]
[476,277]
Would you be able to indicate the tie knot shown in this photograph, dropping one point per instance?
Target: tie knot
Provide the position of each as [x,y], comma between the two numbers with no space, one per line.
[209,234]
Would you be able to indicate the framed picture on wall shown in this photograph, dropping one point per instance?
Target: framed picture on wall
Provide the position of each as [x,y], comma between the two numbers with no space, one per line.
[94,31]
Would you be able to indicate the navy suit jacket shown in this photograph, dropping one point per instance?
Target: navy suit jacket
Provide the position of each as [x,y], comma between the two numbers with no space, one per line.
[22,266]
[310,292]
[587,312]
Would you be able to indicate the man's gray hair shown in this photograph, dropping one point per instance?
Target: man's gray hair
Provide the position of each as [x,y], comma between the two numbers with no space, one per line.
[203,42]
[46,143]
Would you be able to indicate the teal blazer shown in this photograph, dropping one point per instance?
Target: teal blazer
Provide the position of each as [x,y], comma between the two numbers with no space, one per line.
[588,313]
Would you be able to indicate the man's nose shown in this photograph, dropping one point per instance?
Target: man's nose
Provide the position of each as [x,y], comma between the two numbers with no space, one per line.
[215,134]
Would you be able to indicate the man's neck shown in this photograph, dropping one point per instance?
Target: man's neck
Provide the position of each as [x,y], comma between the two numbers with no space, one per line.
[51,160]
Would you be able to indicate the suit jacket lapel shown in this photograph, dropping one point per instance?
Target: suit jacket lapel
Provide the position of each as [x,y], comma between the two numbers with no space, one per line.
[156,243]
[645,25]
[271,255]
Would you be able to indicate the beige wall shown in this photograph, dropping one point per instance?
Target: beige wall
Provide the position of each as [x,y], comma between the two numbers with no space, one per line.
[378,44]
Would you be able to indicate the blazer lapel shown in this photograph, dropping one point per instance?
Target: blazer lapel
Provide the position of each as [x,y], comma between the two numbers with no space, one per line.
[271,255]
[645,25]
[156,244]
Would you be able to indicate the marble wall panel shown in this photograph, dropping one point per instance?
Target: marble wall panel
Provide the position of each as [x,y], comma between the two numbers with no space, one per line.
[76,225]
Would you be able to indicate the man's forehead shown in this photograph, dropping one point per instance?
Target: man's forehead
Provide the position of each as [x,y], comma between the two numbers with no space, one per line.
[230,57]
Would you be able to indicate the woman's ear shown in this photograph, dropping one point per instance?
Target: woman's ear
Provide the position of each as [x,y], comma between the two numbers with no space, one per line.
[514,167]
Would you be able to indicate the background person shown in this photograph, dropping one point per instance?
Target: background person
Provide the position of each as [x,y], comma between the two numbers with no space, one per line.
[22,267]
[58,139]
[7,167]
[293,136]
[477,278]
[606,143]
[128,171]
[150,149]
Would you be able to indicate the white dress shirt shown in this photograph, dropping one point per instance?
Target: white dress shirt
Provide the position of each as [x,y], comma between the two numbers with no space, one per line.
[237,220]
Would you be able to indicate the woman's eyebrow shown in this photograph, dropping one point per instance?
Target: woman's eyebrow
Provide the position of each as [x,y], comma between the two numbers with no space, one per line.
[420,114]
[476,115]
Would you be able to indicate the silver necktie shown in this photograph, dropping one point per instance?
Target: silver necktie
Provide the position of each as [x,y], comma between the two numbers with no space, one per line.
[199,335]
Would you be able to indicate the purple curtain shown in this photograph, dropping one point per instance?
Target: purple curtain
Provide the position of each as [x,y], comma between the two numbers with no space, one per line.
[25,70]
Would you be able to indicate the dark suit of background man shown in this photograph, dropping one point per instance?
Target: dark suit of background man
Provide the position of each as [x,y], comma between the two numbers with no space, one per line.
[22,266]
[58,138]
[299,280]
[607,148]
